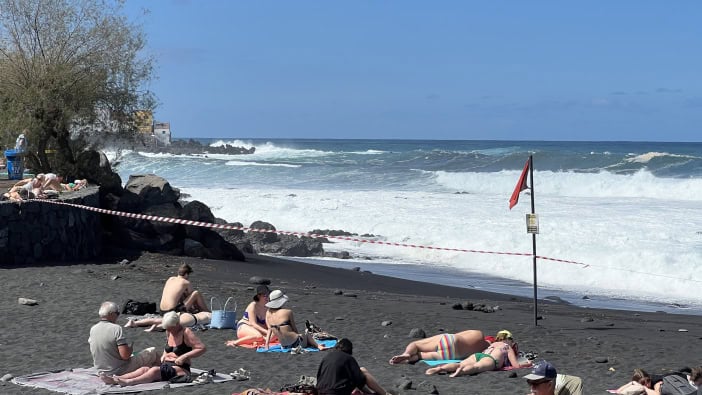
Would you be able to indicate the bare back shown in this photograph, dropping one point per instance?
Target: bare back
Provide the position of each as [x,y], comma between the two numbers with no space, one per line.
[282,324]
[174,293]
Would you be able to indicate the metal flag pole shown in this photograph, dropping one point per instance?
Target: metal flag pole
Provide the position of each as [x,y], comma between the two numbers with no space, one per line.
[533,236]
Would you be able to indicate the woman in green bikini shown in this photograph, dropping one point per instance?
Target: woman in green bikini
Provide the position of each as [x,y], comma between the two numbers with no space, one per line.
[498,355]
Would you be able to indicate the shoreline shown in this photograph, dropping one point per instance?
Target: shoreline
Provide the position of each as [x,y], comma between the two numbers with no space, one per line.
[445,276]
[53,334]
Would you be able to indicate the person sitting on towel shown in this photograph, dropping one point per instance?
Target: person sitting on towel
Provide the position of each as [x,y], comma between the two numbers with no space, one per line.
[281,324]
[252,325]
[339,373]
[498,355]
[179,296]
[111,351]
[181,347]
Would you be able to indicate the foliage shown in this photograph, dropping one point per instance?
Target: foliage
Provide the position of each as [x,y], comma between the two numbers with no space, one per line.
[69,69]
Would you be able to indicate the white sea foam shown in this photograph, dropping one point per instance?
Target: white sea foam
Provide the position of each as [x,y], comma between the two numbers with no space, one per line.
[641,184]
[246,163]
[650,242]
[645,158]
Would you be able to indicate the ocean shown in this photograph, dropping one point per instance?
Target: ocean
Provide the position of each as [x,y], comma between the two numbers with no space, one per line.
[630,212]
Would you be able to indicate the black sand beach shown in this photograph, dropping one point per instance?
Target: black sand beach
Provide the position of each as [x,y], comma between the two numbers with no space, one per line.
[53,334]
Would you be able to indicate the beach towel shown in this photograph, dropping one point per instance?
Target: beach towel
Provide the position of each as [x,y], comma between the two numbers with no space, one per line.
[279,348]
[85,381]
[256,343]
[437,362]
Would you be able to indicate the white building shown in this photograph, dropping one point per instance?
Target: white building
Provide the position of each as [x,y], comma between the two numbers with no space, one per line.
[162,133]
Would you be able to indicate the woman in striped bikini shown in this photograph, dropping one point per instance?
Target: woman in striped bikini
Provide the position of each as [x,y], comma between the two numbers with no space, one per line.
[445,346]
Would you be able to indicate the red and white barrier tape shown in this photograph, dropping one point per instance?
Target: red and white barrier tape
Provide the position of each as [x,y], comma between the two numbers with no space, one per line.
[284,232]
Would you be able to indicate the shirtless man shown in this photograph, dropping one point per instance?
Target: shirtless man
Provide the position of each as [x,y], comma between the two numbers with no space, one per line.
[179,296]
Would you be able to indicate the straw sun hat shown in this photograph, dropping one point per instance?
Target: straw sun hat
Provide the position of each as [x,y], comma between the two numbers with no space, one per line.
[276,299]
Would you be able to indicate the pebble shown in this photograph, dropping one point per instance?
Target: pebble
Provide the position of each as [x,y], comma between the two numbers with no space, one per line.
[403,383]
[338,292]
[259,280]
[601,360]
[339,318]
[356,269]
[386,323]
[587,319]
[417,333]
[425,387]
[113,278]
[124,262]
[7,377]
[351,295]
[682,330]
[27,302]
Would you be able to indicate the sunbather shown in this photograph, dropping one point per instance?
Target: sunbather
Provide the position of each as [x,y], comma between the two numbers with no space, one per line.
[187,320]
[252,324]
[181,346]
[282,324]
[445,346]
[496,356]
[178,294]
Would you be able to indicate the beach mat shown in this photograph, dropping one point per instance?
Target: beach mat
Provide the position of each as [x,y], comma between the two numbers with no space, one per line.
[437,362]
[85,381]
[279,348]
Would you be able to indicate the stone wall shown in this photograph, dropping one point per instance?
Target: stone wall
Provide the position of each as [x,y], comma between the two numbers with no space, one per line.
[38,231]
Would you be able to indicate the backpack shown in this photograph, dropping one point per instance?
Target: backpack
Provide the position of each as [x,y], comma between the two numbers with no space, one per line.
[133,307]
[677,385]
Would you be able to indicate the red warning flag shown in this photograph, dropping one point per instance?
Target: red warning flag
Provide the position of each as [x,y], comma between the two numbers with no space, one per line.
[521,185]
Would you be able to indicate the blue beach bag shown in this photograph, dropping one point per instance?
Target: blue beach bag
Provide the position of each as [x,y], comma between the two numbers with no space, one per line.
[223,318]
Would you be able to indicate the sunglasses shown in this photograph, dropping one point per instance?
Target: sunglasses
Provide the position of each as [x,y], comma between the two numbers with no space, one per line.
[538,382]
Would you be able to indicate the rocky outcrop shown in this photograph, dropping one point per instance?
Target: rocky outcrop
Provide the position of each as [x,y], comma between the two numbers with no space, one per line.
[150,194]
[192,147]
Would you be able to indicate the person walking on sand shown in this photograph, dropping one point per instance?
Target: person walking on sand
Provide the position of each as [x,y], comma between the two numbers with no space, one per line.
[252,325]
[444,346]
[339,373]
[179,296]
[111,351]
[498,355]
[181,347]
[281,323]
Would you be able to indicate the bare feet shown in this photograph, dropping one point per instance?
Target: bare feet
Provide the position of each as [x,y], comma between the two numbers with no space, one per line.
[130,324]
[404,358]
[110,380]
[121,382]
[231,343]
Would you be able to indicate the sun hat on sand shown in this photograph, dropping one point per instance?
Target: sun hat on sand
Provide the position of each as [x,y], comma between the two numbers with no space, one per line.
[276,299]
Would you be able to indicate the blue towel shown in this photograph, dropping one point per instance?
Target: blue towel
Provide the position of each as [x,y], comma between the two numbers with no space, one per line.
[279,348]
[437,362]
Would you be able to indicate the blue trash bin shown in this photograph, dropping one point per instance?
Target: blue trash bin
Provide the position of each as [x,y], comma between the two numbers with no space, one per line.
[15,164]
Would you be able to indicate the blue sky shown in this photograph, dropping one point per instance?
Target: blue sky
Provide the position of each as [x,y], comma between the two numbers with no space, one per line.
[527,70]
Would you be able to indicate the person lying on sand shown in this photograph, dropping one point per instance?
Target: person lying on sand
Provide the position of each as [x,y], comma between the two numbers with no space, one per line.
[339,373]
[282,324]
[187,320]
[252,324]
[181,347]
[644,383]
[498,355]
[445,346]
[178,294]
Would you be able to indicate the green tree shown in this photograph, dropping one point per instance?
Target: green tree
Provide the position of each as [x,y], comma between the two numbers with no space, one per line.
[70,70]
